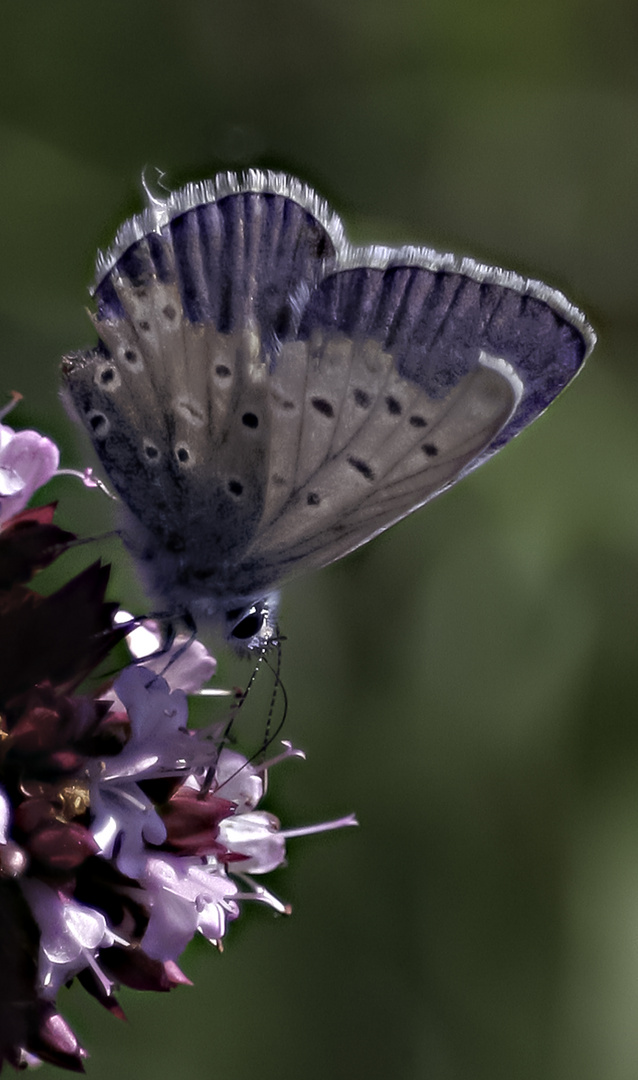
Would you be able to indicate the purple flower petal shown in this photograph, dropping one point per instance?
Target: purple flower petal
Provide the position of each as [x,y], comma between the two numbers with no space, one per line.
[27,461]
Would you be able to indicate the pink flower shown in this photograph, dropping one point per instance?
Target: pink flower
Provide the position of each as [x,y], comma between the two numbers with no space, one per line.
[27,461]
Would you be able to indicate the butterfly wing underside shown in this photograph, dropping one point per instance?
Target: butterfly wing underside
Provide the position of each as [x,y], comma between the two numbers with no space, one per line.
[187,319]
[266,398]
[355,447]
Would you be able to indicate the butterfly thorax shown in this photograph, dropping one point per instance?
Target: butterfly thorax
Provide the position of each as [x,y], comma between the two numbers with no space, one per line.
[194,570]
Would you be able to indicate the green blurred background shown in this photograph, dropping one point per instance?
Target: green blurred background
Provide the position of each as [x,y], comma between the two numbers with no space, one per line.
[468,682]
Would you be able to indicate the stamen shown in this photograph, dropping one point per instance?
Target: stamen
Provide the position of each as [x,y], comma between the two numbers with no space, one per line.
[107,984]
[87,478]
[262,895]
[75,800]
[135,769]
[324,826]
[289,752]
[15,398]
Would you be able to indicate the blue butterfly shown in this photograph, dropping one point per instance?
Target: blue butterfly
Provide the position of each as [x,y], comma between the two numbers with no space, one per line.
[266,397]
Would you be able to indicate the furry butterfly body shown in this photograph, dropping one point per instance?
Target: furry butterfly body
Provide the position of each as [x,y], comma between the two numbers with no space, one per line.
[266,397]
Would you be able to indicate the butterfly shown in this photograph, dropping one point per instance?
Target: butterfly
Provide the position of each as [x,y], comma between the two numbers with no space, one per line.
[266,397]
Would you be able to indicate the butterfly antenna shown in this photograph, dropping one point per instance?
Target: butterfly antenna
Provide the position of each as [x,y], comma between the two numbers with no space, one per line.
[249,685]
[269,735]
[238,704]
[240,701]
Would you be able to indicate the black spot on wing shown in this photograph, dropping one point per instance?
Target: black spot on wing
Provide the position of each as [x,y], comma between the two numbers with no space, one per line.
[361,467]
[361,398]
[98,423]
[322,406]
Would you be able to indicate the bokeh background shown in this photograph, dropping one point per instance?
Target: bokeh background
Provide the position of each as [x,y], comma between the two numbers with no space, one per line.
[469,682]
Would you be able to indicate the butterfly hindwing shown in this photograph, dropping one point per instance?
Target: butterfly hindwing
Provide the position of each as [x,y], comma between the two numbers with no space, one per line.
[394,390]
[435,314]
[368,471]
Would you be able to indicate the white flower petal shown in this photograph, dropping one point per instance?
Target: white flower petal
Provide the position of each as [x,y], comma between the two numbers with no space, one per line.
[256,835]
[70,935]
[5,816]
[236,779]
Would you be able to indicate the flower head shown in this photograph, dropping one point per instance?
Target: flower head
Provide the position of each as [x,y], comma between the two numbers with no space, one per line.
[123,832]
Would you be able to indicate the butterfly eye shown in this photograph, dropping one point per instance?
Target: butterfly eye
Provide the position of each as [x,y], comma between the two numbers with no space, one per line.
[248,626]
